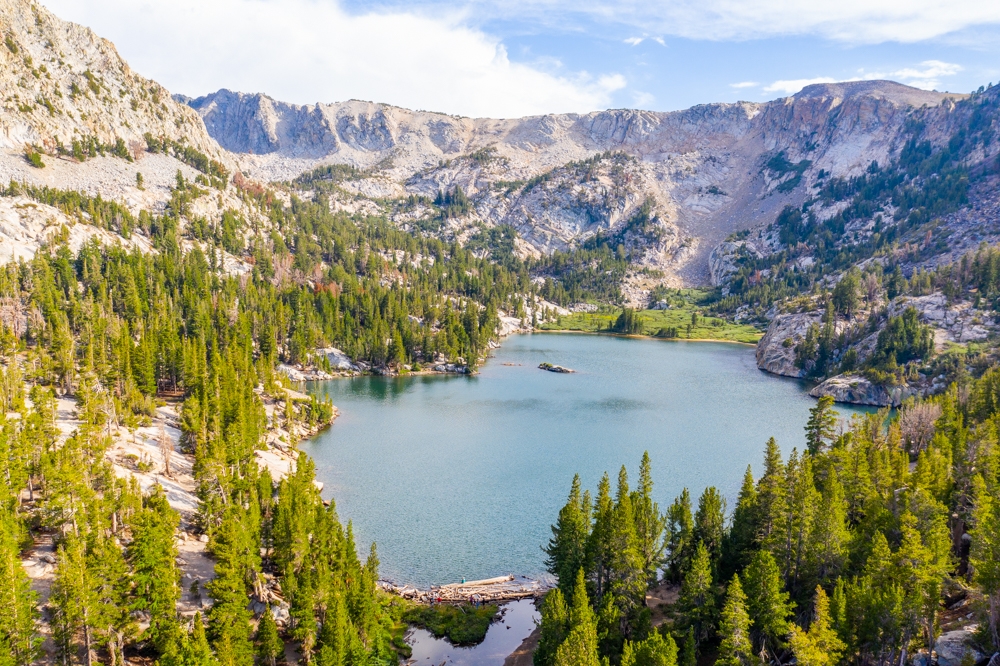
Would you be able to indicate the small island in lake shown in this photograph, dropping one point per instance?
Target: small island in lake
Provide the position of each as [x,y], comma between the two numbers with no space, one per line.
[554,368]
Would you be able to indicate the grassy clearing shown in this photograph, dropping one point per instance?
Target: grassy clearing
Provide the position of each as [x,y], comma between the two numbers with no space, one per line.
[686,319]
[463,624]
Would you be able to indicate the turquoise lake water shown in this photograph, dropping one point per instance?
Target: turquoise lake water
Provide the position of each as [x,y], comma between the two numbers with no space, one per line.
[460,477]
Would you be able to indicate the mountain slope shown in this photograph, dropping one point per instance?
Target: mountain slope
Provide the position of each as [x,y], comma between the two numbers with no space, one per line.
[62,82]
[704,169]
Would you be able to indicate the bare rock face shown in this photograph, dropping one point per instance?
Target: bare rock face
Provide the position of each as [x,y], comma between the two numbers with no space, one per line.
[857,390]
[722,260]
[62,82]
[702,167]
[776,350]
[956,322]
[951,646]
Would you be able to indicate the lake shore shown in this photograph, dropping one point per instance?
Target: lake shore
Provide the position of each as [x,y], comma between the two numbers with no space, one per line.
[612,334]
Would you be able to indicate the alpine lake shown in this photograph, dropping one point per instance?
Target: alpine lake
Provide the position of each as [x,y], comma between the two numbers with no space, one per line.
[460,477]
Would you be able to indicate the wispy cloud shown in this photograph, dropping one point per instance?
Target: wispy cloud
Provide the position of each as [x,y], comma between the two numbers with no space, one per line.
[851,21]
[744,84]
[642,100]
[635,41]
[304,51]
[792,86]
[928,75]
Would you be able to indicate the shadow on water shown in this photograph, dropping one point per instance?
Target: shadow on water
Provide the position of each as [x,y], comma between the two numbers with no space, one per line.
[503,637]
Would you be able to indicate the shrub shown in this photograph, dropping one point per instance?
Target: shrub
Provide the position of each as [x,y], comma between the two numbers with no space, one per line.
[34,157]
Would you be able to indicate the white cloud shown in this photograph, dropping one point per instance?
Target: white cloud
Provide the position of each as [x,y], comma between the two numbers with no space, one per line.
[852,21]
[928,76]
[635,41]
[303,51]
[744,84]
[642,100]
[792,86]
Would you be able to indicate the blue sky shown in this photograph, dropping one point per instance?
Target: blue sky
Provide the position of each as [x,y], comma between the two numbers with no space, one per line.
[522,57]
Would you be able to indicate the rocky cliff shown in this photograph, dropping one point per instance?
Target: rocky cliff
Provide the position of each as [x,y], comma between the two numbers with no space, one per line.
[62,82]
[703,169]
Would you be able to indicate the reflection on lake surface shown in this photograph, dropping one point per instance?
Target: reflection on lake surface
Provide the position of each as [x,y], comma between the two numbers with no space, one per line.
[460,477]
[504,636]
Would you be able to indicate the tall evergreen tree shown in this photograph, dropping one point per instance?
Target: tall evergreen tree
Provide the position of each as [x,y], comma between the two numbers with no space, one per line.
[580,646]
[734,628]
[269,643]
[567,549]
[19,638]
[152,557]
[649,522]
[771,492]
[830,538]
[710,521]
[741,538]
[599,545]
[768,604]
[680,540]
[696,603]
[820,646]
[553,627]
[821,427]
[985,554]
[627,576]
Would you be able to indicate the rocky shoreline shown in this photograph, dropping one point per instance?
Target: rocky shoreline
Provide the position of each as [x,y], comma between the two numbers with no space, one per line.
[953,323]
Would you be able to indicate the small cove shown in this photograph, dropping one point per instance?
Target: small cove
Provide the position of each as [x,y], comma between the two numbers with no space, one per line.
[460,477]
[516,622]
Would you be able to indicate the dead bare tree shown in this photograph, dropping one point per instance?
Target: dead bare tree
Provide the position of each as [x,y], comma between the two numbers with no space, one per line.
[872,289]
[137,149]
[166,450]
[916,422]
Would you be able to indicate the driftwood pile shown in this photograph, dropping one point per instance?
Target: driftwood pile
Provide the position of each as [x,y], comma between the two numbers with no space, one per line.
[502,588]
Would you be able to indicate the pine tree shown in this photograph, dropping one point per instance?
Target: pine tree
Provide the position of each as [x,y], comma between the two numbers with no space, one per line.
[830,538]
[734,628]
[627,577]
[599,545]
[710,521]
[269,643]
[152,556]
[567,549]
[791,537]
[553,628]
[580,646]
[820,646]
[697,597]
[821,427]
[767,604]
[649,523]
[199,653]
[689,651]
[19,639]
[985,554]
[771,492]
[75,600]
[739,542]
[657,650]
[680,543]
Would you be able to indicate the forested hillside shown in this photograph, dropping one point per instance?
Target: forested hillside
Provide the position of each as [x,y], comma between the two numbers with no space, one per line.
[862,549]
